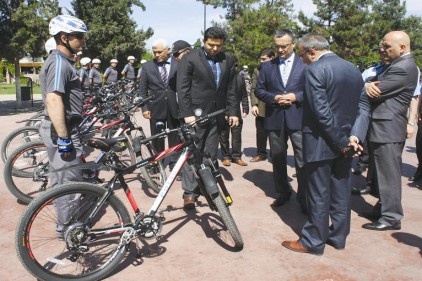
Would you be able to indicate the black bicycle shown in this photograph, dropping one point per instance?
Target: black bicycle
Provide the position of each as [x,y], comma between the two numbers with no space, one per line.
[95,234]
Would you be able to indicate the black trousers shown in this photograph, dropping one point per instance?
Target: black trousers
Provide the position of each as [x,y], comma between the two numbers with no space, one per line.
[236,141]
[261,136]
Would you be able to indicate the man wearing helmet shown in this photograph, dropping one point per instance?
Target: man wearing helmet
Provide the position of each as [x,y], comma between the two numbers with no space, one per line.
[84,72]
[63,100]
[138,76]
[95,75]
[129,71]
[110,75]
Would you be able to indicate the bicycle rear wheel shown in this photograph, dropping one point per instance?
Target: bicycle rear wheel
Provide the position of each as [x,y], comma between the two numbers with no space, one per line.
[81,244]
[228,220]
[24,169]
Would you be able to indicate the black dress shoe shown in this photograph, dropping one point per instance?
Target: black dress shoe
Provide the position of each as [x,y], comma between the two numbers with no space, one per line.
[361,191]
[381,227]
[417,176]
[280,201]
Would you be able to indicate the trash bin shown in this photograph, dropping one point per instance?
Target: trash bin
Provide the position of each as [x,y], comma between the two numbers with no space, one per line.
[26,91]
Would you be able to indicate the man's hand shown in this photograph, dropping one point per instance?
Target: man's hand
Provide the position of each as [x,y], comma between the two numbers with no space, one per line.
[353,148]
[189,119]
[64,146]
[255,111]
[146,114]
[233,121]
[410,130]
[285,99]
[372,89]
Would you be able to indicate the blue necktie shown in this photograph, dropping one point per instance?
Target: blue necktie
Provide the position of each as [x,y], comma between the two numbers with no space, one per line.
[163,73]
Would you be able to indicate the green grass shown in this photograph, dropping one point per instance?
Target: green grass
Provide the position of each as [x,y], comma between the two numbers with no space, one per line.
[11,89]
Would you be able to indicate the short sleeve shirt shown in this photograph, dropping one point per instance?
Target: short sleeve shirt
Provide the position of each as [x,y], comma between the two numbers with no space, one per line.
[59,75]
[95,75]
[83,73]
[111,74]
[130,71]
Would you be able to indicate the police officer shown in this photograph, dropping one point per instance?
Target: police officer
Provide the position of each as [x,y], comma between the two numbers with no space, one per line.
[95,75]
[84,72]
[128,71]
[63,100]
[110,75]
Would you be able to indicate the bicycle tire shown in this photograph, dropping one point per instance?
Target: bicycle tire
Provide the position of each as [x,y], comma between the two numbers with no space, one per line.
[18,137]
[36,119]
[19,174]
[153,173]
[46,257]
[228,221]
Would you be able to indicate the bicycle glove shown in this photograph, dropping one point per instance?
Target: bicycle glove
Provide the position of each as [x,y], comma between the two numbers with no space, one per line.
[64,145]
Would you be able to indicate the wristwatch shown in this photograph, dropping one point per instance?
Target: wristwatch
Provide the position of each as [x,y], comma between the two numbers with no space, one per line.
[411,124]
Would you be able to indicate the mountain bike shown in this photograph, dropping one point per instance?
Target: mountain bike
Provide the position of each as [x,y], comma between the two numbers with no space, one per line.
[91,242]
[25,171]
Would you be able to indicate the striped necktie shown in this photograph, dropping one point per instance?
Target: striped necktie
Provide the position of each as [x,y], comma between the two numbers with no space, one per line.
[164,76]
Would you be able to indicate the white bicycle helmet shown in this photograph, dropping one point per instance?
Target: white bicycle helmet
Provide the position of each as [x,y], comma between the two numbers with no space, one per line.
[113,60]
[84,61]
[50,45]
[66,24]
[130,58]
[143,61]
[96,61]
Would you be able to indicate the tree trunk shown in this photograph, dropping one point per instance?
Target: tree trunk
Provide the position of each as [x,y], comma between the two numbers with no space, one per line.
[18,83]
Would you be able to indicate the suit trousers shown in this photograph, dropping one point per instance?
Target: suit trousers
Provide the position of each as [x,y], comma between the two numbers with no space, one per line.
[419,144]
[328,198]
[63,205]
[278,146]
[387,173]
[261,137]
[208,142]
[173,138]
[236,141]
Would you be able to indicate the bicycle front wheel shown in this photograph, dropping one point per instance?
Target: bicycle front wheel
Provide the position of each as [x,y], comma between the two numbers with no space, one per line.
[24,171]
[17,138]
[64,235]
[228,220]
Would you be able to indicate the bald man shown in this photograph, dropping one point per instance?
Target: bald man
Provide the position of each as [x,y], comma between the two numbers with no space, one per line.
[390,94]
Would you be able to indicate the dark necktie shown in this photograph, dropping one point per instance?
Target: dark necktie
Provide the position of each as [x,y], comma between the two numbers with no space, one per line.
[213,64]
[163,73]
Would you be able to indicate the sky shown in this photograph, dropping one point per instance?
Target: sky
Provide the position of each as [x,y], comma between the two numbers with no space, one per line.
[184,19]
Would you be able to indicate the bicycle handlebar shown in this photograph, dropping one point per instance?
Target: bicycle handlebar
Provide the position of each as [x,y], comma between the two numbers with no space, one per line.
[189,125]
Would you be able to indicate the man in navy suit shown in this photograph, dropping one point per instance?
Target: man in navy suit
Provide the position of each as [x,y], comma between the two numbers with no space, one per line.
[158,79]
[280,86]
[390,100]
[335,120]
[206,80]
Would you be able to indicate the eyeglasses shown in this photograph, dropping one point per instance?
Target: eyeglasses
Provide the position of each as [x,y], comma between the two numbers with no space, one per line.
[282,46]
[302,54]
[78,35]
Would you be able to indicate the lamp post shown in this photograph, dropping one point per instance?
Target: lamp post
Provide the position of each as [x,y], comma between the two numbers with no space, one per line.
[205,15]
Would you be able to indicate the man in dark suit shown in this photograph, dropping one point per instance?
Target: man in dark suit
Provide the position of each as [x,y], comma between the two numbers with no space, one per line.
[280,86]
[390,101]
[335,119]
[158,79]
[206,80]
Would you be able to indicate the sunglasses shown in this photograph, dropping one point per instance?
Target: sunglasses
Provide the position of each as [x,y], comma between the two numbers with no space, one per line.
[78,35]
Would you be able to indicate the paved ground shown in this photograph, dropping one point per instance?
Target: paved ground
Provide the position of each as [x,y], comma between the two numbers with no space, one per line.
[191,250]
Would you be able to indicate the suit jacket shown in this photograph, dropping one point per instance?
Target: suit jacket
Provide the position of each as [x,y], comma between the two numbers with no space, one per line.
[334,108]
[165,100]
[196,86]
[270,84]
[389,111]
[254,100]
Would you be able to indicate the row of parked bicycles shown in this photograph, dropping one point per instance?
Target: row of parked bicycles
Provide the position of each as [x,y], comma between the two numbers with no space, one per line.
[100,228]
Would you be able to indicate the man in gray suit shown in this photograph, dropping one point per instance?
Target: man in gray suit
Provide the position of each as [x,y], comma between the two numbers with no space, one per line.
[335,120]
[158,79]
[390,101]
[206,80]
